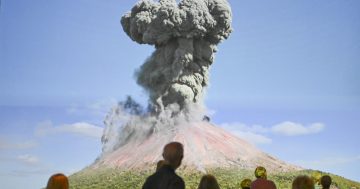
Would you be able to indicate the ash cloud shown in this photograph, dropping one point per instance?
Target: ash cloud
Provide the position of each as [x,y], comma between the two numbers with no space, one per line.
[128,121]
[185,36]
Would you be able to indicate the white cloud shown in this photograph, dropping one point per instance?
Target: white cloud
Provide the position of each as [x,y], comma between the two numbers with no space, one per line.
[25,159]
[79,128]
[245,128]
[328,162]
[28,159]
[31,172]
[293,129]
[248,133]
[99,108]
[256,134]
[6,144]
[253,137]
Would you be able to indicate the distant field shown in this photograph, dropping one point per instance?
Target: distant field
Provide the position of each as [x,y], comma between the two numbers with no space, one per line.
[228,179]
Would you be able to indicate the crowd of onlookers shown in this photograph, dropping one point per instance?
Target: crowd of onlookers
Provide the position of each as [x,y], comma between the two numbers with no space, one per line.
[166,178]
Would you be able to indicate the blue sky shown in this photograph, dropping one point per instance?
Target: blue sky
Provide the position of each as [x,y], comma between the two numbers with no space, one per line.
[286,79]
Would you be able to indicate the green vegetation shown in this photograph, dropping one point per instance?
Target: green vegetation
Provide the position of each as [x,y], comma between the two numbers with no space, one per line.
[228,179]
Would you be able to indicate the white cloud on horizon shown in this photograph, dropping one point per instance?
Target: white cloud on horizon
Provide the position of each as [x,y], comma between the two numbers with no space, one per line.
[288,128]
[256,133]
[23,159]
[248,133]
[327,162]
[28,159]
[79,128]
[254,138]
[6,144]
[98,108]
[29,172]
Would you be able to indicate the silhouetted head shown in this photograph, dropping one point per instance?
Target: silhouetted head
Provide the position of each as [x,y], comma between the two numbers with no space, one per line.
[316,176]
[208,182]
[303,182]
[260,172]
[159,164]
[245,184]
[58,181]
[325,181]
[173,154]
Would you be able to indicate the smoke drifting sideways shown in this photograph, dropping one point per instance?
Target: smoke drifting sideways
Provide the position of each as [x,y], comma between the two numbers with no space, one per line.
[129,122]
[185,36]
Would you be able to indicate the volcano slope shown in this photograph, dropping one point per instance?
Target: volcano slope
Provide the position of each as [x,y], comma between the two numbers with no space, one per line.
[208,149]
[206,146]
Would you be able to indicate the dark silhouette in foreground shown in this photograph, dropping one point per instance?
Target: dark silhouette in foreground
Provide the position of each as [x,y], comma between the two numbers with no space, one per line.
[303,182]
[208,182]
[325,181]
[58,181]
[316,176]
[245,184]
[165,177]
[261,181]
[159,164]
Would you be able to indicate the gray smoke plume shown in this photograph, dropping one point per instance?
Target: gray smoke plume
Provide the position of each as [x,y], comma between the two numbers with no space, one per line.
[185,36]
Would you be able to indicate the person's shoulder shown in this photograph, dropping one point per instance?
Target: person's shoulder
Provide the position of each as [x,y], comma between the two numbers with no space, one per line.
[178,182]
[272,183]
[255,182]
[148,182]
[258,180]
[152,177]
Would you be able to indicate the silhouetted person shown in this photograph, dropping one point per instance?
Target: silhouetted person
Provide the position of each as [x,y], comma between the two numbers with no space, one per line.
[303,182]
[58,181]
[261,181]
[208,182]
[159,164]
[165,177]
[325,181]
[245,184]
[316,176]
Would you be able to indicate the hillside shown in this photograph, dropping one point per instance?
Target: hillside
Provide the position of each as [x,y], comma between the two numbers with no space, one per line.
[206,146]
[227,178]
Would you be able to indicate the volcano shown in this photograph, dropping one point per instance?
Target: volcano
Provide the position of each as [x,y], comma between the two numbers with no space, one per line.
[185,35]
[206,146]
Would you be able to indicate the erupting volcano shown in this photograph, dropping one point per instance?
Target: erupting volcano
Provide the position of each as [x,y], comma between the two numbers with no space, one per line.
[185,36]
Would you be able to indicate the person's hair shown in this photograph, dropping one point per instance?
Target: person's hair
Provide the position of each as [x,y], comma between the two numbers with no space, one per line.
[245,184]
[260,172]
[58,181]
[159,164]
[173,153]
[316,176]
[303,182]
[325,181]
[208,182]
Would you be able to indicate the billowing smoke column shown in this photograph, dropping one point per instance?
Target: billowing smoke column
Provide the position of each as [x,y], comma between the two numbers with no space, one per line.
[185,36]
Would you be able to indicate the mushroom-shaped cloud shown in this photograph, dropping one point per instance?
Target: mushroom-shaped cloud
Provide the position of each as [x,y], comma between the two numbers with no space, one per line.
[185,36]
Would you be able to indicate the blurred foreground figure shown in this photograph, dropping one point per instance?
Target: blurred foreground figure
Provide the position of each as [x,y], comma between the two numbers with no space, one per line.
[159,164]
[58,181]
[316,176]
[208,182]
[261,181]
[303,182]
[245,184]
[325,181]
[165,177]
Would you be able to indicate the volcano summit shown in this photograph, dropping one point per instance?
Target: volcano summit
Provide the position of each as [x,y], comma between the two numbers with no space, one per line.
[185,36]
